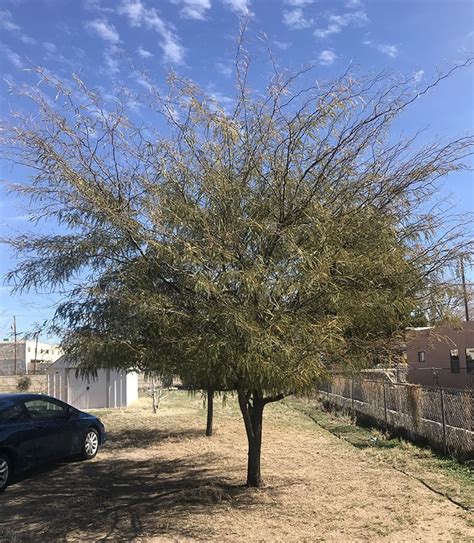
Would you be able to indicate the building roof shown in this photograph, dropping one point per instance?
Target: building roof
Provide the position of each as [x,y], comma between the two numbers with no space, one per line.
[64,362]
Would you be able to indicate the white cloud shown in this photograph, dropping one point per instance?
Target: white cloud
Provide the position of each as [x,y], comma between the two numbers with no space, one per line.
[327,57]
[27,39]
[389,50]
[140,16]
[283,45]
[95,5]
[11,56]
[172,51]
[134,10]
[241,7]
[6,21]
[337,22]
[111,57]
[295,19]
[144,53]
[50,47]
[193,9]
[354,4]
[418,76]
[298,3]
[224,69]
[104,30]
[222,101]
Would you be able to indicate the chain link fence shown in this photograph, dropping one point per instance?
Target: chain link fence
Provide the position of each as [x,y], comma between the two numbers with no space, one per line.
[442,418]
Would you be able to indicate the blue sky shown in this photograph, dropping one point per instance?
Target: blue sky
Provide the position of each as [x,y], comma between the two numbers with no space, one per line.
[101,39]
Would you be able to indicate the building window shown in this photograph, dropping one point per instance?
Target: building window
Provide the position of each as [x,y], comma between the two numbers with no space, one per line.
[454,356]
[421,356]
[470,360]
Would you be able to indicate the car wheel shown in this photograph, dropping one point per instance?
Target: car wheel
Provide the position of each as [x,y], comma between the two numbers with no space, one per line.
[5,471]
[90,445]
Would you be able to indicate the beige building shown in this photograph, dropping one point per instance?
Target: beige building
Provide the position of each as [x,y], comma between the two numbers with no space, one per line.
[441,356]
[28,356]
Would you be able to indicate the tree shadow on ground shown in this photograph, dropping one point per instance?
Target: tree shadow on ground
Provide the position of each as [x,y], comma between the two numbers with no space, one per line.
[148,437]
[118,499]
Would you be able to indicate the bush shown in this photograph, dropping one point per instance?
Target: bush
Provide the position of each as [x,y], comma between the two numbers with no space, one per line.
[23,384]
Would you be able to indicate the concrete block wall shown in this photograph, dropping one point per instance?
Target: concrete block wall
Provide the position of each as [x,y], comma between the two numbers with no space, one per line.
[8,383]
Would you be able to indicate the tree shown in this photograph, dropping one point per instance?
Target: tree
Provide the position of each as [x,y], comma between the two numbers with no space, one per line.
[274,241]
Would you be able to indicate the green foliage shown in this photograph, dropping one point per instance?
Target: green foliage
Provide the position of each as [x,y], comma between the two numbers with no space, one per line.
[254,249]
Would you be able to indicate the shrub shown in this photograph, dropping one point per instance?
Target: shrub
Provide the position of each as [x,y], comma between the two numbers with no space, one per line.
[23,384]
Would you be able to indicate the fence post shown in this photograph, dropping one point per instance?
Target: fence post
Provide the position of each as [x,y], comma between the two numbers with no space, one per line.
[385,406]
[443,419]
[352,397]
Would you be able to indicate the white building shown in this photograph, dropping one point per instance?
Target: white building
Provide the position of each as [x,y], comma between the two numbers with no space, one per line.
[110,388]
[27,356]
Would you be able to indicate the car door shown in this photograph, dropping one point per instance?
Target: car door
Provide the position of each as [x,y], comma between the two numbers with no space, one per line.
[17,433]
[53,431]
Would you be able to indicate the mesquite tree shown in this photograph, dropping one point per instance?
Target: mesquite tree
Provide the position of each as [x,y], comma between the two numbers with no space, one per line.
[276,239]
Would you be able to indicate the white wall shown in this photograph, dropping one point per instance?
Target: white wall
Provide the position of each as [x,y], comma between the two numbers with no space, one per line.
[109,389]
[132,388]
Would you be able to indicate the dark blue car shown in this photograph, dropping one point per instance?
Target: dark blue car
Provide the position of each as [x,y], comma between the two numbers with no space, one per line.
[36,429]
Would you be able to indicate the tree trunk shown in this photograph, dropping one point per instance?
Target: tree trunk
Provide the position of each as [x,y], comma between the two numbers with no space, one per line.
[252,411]
[210,411]
[153,394]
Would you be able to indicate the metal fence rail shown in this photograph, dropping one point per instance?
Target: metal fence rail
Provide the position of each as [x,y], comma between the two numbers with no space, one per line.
[444,418]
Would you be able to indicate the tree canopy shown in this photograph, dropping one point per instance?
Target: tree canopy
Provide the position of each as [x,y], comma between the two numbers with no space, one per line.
[261,244]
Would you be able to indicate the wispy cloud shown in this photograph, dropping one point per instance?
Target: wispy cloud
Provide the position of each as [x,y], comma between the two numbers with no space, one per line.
[193,9]
[353,4]
[6,21]
[11,56]
[296,20]
[104,30]
[144,53]
[389,50]
[298,3]
[50,47]
[96,5]
[283,45]
[139,15]
[418,76]
[222,101]
[241,7]
[327,57]
[337,22]
[224,68]
[27,39]
[385,48]
[111,57]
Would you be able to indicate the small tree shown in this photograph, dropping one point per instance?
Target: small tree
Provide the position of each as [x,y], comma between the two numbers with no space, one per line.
[273,241]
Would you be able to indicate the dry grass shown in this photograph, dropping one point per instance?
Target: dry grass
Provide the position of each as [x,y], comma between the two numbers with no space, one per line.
[161,479]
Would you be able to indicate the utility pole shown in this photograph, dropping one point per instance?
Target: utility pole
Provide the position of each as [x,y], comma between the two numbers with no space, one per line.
[36,351]
[14,344]
[464,289]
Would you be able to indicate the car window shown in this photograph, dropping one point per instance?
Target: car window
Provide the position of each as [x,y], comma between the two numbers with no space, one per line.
[45,409]
[12,412]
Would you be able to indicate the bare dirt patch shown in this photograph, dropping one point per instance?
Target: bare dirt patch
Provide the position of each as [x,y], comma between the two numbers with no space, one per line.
[161,479]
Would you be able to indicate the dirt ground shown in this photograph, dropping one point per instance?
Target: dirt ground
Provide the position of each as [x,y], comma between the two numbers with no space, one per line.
[160,479]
